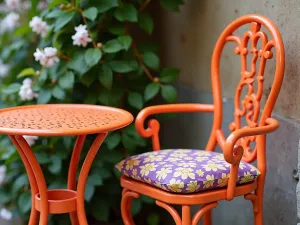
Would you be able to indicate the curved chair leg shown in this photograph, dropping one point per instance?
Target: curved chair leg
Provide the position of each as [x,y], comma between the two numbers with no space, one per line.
[257,208]
[127,198]
[207,218]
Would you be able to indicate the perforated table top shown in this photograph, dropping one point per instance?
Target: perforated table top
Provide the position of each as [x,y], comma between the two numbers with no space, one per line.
[62,119]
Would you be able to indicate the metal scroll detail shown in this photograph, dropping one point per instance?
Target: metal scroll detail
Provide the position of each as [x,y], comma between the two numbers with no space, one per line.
[248,107]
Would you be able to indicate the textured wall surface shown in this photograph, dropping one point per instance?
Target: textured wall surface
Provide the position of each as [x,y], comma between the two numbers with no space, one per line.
[192,130]
[189,37]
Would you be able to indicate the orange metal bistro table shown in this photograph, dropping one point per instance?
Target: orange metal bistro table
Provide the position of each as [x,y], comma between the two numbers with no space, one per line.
[60,120]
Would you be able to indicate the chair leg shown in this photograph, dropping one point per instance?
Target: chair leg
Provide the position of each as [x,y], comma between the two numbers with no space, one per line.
[257,202]
[127,198]
[258,216]
[186,215]
[207,218]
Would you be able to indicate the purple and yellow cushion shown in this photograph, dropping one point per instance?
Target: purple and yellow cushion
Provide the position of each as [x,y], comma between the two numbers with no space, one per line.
[184,170]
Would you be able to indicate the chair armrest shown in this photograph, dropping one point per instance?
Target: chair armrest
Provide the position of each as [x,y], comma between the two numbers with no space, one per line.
[232,153]
[167,108]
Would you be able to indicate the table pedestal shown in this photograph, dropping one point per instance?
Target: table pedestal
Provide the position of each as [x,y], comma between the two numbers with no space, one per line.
[71,200]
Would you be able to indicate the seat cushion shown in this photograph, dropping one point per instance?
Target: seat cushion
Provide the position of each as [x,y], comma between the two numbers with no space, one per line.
[184,170]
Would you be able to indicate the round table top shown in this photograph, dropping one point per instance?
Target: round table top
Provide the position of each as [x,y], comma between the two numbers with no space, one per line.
[62,119]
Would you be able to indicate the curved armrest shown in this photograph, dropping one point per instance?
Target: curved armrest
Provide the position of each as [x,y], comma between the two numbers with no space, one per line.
[232,153]
[167,108]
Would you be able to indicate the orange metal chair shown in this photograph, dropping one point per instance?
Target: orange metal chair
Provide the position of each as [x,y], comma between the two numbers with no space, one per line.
[236,148]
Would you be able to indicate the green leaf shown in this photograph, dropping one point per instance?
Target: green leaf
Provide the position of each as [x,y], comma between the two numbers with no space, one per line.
[67,80]
[26,72]
[78,63]
[153,219]
[146,23]
[95,179]
[105,5]
[44,96]
[89,192]
[22,30]
[92,56]
[58,93]
[91,13]
[117,29]
[147,199]
[56,164]
[151,60]
[169,93]
[136,206]
[101,212]
[126,12]
[42,157]
[112,46]
[151,90]
[171,5]
[5,197]
[63,20]
[135,100]
[55,3]
[24,202]
[123,66]
[20,182]
[55,13]
[106,77]
[125,41]
[77,2]
[12,88]
[169,75]
[113,140]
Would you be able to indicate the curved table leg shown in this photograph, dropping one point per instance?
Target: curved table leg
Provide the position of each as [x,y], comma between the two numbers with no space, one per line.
[39,177]
[84,175]
[73,171]
[33,219]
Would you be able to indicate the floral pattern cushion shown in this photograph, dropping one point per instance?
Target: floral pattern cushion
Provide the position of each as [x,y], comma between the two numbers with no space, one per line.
[184,170]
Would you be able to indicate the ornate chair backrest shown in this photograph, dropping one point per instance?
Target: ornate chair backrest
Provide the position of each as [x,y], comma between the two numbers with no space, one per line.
[248,107]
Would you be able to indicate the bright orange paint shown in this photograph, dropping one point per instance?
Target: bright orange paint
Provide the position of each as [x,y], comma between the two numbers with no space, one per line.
[237,145]
[60,120]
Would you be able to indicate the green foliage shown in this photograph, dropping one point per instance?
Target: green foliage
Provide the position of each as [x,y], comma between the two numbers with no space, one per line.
[114,69]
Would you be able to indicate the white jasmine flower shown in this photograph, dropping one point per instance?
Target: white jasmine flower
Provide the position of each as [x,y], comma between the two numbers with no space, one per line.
[4,69]
[9,22]
[2,174]
[81,37]
[5,214]
[26,93]
[13,4]
[31,139]
[39,26]
[47,57]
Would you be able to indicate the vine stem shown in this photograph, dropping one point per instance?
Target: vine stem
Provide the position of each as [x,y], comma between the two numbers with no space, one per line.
[138,56]
[144,5]
[87,26]
[140,60]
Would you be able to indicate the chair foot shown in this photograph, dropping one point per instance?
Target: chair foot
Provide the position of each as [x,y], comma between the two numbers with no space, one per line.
[127,198]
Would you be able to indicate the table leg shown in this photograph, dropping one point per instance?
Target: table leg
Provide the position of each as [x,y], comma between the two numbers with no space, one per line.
[38,176]
[84,175]
[33,219]
[73,171]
